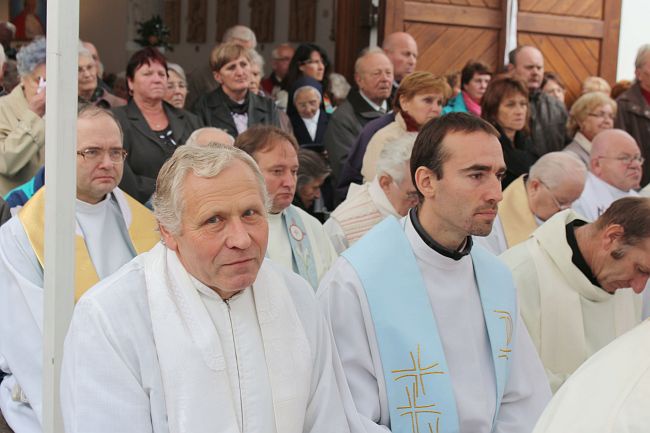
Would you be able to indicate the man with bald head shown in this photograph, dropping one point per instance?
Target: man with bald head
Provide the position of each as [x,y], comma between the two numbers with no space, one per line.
[280,59]
[553,183]
[402,50]
[207,135]
[548,116]
[616,167]
[373,73]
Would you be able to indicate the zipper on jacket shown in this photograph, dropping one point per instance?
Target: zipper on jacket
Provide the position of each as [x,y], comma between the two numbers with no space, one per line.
[234,345]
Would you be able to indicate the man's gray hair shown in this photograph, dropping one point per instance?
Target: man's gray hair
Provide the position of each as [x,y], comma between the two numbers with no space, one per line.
[83,51]
[240,32]
[554,168]
[30,56]
[394,158]
[193,139]
[339,86]
[304,89]
[256,58]
[206,162]
[642,56]
[275,53]
[364,53]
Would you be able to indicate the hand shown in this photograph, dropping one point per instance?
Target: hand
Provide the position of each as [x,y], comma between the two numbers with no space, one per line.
[37,103]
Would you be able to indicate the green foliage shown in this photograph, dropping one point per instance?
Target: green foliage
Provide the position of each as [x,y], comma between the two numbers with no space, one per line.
[153,33]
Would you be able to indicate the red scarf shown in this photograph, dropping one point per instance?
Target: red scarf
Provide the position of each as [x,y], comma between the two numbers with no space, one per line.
[646,95]
[411,124]
[472,106]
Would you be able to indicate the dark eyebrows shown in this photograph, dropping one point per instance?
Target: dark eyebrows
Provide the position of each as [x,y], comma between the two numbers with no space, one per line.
[480,167]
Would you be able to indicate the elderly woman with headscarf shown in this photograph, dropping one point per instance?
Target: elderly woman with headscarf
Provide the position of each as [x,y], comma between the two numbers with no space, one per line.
[153,128]
[309,121]
[232,106]
[22,128]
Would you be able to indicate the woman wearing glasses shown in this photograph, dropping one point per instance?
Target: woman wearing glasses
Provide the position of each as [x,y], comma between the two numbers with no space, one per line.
[309,60]
[592,113]
[505,106]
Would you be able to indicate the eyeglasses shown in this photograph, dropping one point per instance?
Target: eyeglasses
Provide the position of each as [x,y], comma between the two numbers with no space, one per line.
[625,159]
[602,115]
[556,202]
[411,196]
[95,154]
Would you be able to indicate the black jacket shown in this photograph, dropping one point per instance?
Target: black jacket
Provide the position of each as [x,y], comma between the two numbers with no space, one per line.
[301,133]
[146,151]
[518,157]
[213,111]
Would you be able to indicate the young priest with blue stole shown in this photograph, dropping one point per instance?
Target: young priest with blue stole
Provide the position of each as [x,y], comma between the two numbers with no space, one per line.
[425,322]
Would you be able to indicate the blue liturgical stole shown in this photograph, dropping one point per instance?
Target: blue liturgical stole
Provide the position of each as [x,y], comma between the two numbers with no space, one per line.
[301,252]
[418,385]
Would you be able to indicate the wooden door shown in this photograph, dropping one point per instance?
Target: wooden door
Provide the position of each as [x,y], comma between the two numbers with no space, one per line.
[450,32]
[577,37]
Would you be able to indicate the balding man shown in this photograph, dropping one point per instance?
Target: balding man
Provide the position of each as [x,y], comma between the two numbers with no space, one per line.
[553,183]
[373,73]
[111,228]
[207,135]
[615,172]
[548,116]
[574,281]
[280,59]
[633,113]
[402,50]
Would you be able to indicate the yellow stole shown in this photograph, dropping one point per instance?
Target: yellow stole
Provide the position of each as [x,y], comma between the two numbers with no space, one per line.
[516,218]
[142,232]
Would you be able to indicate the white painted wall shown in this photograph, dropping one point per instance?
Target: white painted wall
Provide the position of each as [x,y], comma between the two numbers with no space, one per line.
[634,33]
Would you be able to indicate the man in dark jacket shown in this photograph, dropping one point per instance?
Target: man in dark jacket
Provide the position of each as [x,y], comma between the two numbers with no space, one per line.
[634,109]
[548,116]
[373,73]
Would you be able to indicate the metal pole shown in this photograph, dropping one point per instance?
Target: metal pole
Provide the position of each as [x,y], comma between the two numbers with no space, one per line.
[60,181]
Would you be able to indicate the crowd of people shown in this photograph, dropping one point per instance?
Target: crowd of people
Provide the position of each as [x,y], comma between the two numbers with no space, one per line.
[294,253]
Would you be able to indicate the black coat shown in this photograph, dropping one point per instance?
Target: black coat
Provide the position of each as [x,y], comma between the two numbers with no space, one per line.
[301,133]
[518,157]
[213,111]
[146,151]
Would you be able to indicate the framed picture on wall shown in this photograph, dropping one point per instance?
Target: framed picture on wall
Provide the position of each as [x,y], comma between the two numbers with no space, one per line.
[29,17]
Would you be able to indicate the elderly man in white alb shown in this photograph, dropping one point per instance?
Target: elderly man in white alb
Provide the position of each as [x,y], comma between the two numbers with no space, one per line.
[297,240]
[616,170]
[391,192]
[553,183]
[202,334]
[111,229]
[579,283]
[426,322]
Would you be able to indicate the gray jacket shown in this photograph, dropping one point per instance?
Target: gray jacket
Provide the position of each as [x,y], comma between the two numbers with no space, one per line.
[634,116]
[344,128]
[548,118]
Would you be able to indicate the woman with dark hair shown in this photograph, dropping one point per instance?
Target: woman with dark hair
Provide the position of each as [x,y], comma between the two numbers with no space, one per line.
[152,127]
[474,80]
[505,106]
[309,60]
[232,106]
[312,173]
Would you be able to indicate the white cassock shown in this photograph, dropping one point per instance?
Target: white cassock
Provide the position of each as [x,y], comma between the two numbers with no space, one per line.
[456,305]
[609,393]
[21,302]
[279,247]
[152,349]
[364,206]
[597,196]
[568,317]
[495,242]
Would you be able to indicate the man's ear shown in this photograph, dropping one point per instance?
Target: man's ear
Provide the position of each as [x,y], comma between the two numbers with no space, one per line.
[167,238]
[612,236]
[384,182]
[426,182]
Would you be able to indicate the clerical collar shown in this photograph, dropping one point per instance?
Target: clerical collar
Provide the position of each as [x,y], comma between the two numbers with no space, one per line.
[577,258]
[454,255]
